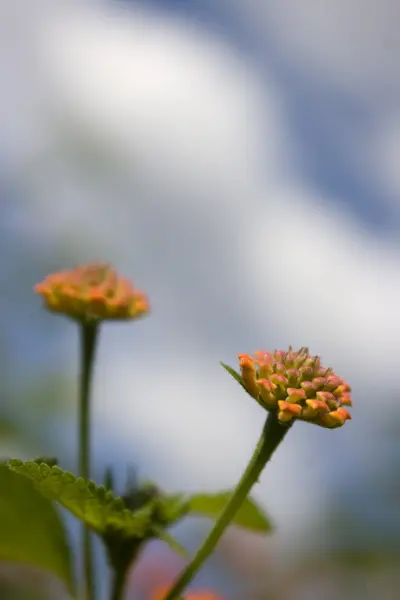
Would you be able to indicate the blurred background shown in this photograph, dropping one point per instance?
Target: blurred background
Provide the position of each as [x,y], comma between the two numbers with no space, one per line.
[239,160]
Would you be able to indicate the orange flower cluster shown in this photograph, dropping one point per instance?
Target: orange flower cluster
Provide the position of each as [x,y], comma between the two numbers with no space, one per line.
[161,592]
[91,293]
[297,386]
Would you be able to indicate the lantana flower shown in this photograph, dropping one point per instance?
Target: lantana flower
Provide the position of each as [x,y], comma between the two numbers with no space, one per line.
[295,385]
[91,293]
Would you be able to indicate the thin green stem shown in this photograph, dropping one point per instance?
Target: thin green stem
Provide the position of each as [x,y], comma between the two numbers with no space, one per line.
[88,341]
[121,554]
[118,584]
[272,435]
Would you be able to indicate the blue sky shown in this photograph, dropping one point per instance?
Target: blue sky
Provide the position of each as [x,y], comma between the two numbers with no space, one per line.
[241,165]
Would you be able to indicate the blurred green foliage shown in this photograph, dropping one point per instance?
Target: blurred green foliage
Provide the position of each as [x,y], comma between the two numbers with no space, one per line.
[250,515]
[31,531]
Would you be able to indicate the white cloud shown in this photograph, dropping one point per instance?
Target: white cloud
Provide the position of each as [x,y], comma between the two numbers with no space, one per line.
[354,45]
[335,284]
[175,117]
[159,91]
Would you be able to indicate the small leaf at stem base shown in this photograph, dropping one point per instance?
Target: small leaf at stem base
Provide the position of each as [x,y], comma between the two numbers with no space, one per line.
[250,515]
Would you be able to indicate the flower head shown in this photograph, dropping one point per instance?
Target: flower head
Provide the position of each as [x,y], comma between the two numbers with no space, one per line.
[296,386]
[161,592]
[91,293]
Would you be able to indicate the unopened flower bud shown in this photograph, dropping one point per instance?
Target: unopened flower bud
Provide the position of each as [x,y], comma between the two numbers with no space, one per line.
[319,383]
[264,362]
[296,394]
[292,375]
[267,392]
[314,408]
[279,380]
[288,411]
[335,418]
[309,388]
[306,373]
[248,371]
[329,399]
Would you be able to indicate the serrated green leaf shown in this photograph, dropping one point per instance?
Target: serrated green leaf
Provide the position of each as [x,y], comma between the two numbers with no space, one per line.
[250,515]
[49,460]
[31,530]
[92,504]
[104,513]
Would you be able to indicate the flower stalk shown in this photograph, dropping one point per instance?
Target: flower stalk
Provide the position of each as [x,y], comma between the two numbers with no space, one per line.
[272,435]
[89,335]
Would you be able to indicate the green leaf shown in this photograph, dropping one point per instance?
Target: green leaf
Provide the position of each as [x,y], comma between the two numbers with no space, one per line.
[164,536]
[100,510]
[31,531]
[49,460]
[250,515]
[92,504]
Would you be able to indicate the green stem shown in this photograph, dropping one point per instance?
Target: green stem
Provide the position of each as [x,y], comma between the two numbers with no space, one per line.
[272,435]
[89,333]
[121,554]
[118,584]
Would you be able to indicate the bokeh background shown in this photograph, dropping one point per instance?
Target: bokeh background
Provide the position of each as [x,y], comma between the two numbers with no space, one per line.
[239,160]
